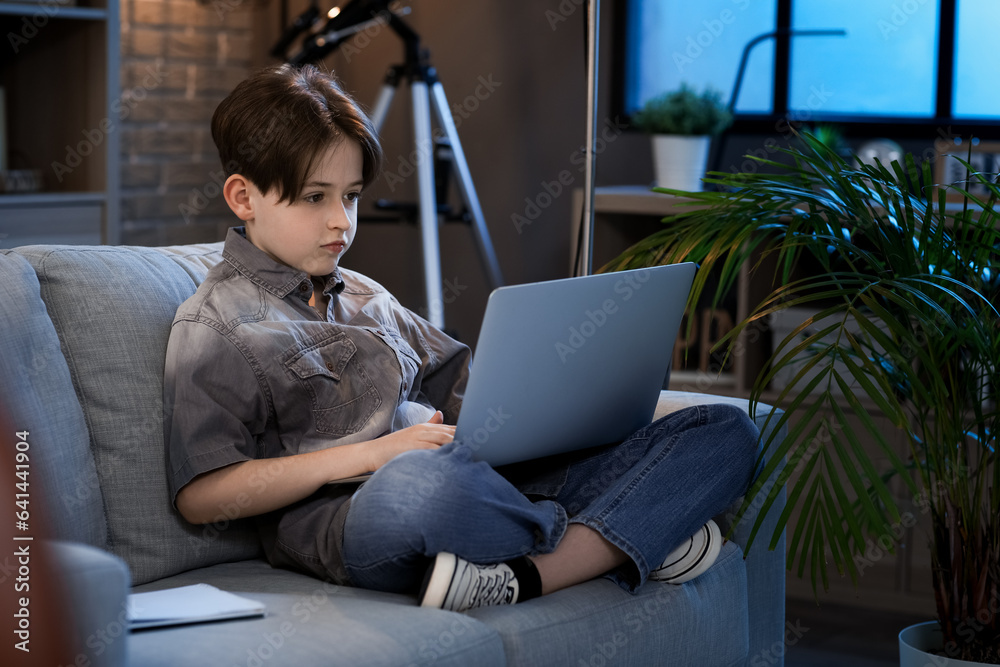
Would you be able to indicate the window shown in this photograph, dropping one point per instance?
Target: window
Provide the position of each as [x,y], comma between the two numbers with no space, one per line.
[976,92]
[700,44]
[912,63]
[885,65]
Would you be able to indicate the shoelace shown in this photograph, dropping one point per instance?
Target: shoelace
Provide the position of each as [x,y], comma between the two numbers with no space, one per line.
[490,588]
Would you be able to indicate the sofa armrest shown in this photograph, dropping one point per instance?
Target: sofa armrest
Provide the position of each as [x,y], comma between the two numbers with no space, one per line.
[96,590]
[765,568]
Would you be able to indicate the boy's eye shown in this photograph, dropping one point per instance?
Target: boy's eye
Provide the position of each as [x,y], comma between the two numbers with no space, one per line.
[352,196]
[314,198]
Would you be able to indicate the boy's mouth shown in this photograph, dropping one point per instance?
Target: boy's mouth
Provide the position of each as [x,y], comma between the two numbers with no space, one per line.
[336,246]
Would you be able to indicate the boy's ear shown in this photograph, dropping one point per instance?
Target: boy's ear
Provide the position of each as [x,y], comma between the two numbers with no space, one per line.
[236,190]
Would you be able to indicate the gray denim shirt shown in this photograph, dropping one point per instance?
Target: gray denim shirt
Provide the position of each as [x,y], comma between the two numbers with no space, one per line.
[253,371]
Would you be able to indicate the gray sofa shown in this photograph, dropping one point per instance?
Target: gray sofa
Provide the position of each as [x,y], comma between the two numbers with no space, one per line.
[83,333]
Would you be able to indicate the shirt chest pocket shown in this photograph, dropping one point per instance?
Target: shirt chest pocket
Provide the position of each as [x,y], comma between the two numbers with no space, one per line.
[343,395]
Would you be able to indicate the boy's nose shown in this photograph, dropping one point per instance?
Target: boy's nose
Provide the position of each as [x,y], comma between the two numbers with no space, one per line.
[339,219]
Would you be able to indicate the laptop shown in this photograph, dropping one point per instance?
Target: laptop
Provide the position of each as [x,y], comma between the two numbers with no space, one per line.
[569,364]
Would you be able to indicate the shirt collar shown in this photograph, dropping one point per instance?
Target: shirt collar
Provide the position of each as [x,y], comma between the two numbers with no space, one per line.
[258,267]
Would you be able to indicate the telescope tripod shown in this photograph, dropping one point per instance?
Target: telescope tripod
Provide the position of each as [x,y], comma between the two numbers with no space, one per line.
[427,93]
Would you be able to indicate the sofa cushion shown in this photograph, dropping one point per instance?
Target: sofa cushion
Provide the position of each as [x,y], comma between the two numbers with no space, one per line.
[703,622]
[37,394]
[112,308]
[313,623]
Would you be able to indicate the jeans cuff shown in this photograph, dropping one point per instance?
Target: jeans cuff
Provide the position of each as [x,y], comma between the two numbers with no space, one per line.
[546,545]
[628,576]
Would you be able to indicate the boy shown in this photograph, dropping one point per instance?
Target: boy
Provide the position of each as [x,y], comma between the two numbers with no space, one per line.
[285,373]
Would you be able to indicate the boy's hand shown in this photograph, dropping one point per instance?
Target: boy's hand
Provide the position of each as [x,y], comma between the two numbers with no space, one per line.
[429,435]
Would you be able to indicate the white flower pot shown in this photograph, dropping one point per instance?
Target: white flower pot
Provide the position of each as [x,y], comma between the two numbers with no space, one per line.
[680,161]
[916,643]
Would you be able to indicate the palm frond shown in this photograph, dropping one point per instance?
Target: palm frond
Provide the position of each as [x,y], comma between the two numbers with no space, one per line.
[905,294]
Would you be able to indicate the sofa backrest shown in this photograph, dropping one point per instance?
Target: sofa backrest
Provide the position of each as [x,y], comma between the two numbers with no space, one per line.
[36,395]
[111,307]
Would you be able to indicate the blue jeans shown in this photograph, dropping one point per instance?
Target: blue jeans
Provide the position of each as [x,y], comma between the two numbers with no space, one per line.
[644,495]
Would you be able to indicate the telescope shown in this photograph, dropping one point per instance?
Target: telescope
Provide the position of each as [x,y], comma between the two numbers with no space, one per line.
[341,24]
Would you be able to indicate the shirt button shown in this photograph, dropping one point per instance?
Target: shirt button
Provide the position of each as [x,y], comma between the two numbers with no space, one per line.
[329,366]
[304,287]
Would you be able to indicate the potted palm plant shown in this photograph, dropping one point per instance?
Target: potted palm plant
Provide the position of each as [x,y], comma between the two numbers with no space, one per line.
[905,288]
[682,124]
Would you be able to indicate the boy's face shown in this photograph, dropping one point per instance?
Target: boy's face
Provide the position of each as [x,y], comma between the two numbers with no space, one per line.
[312,232]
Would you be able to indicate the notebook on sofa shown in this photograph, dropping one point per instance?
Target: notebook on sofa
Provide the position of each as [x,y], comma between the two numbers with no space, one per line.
[198,603]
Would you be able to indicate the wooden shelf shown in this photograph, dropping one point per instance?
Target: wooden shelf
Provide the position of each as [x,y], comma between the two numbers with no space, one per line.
[67,130]
[52,217]
[36,199]
[637,200]
[54,11]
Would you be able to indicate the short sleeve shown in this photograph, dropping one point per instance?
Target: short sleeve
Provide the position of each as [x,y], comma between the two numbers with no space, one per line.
[214,408]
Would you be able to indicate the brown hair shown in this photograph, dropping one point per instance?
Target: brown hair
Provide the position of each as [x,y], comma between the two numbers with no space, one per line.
[274,124]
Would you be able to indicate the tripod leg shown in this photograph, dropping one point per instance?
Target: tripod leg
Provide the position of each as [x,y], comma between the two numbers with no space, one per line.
[428,203]
[382,105]
[468,190]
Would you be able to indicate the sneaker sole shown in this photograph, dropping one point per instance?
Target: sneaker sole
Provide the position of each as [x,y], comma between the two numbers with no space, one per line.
[438,581]
[710,549]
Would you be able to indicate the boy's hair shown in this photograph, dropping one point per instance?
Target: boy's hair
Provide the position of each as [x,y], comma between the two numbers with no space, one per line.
[274,124]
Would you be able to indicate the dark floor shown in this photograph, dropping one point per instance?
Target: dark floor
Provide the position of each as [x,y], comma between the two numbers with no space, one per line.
[831,635]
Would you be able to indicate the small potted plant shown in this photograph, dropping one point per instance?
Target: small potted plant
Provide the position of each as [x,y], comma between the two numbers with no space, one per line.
[682,123]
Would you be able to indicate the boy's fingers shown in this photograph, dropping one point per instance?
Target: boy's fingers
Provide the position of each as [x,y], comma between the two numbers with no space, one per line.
[436,418]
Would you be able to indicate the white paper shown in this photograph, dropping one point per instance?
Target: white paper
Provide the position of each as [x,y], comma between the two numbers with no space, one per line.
[197,603]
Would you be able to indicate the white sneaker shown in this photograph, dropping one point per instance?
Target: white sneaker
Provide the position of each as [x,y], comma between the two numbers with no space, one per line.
[695,555]
[458,585]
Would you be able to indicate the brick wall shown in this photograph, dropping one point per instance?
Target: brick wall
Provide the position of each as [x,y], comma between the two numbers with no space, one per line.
[179,59]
